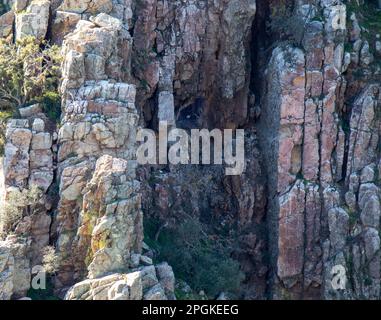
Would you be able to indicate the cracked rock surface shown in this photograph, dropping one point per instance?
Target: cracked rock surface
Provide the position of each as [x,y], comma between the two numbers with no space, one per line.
[307,93]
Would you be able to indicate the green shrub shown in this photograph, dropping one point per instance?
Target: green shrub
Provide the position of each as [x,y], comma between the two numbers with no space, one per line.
[50,260]
[29,71]
[51,105]
[4,116]
[18,204]
[205,264]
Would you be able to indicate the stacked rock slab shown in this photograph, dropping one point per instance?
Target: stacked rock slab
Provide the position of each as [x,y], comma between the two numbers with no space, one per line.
[15,269]
[99,118]
[146,282]
[28,162]
[33,20]
[99,222]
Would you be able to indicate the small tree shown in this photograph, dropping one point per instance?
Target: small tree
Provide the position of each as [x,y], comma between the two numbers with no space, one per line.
[4,116]
[17,205]
[29,70]
[50,260]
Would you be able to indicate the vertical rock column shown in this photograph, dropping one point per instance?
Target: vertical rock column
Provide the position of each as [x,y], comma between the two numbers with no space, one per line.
[324,206]
[362,197]
[99,118]
[28,163]
[111,222]
[301,121]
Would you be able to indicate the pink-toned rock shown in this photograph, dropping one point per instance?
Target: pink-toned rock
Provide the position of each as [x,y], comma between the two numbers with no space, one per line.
[311,149]
[363,142]
[291,232]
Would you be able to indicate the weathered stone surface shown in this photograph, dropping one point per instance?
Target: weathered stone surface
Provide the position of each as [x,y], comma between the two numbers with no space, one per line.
[155,293]
[114,205]
[308,98]
[41,141]
[201,51]
[129,286]
[166,278]
[34,21]
[363,137]
[99,118]
[6,273]
[81,7]
[30,111]
[63,24]
[312,148]
[15,272]
[29,163]
[16,160]
[291,231]
[106,21]
[38,125]
[6,24]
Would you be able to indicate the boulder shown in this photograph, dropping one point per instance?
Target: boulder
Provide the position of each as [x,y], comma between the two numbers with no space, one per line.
[34,21]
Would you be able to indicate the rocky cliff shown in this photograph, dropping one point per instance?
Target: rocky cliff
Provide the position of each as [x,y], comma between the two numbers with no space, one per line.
[302,78]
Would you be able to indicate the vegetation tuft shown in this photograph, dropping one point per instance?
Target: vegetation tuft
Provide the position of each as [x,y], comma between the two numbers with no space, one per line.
[200,260]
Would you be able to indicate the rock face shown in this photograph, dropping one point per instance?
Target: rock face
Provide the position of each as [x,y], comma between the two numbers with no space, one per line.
[28,162]
[96,162]
[201,55]
[6,23]
[315,159]
[34,20]
[99,119]
[147,283]
[14,269]
[116,229]
[95,166]
[307,92]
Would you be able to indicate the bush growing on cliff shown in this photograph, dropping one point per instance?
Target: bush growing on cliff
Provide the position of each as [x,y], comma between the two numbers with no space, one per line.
[205,264]
[51,103]
[18,204]
[4,116]
[28,70]
[50,260]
